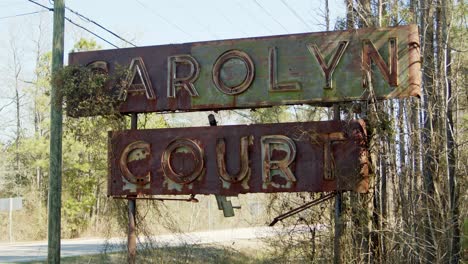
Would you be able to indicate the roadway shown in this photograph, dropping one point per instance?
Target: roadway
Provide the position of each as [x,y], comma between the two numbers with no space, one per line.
[37,251]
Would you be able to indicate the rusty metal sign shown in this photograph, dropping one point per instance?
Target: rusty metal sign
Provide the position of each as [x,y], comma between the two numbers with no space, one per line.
[310,68]
[229,160]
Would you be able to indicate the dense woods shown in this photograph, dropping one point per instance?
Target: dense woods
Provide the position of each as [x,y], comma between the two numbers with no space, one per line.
[415,211]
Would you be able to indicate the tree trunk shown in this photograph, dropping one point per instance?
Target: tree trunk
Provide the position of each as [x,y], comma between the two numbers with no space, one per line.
[430,159]
[17,100]
[350,21]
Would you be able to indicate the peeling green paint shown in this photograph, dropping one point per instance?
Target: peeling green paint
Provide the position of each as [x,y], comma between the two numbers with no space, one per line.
[293,62]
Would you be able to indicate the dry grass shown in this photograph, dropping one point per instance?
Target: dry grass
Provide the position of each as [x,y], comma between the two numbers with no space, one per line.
[241,252]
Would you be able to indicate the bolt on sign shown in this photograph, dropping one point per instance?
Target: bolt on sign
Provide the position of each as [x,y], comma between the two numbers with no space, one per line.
[229,160]
[310,68]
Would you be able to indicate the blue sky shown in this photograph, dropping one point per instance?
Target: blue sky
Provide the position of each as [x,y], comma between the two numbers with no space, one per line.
[145,23]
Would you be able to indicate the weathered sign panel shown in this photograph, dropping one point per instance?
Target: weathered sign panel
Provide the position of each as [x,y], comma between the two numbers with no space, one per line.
[310,68]
[11,204]
[228,160]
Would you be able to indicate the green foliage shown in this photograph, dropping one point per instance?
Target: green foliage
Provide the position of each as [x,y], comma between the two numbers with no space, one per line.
[84,145]
[75,220]
[88,92]
[84,169]
[85,45]
[269,115]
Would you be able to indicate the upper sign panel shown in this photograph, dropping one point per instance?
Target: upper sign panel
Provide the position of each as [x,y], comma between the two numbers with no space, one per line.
[310,68]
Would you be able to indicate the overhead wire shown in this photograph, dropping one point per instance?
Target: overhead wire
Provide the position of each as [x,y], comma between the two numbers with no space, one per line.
[41,5]
[163,18]
[90,32]
[270,15]
[77,25]
[296,14]
[83,17]
[219,12]
[196,20]
[99,25]
[24,14]
[253,16]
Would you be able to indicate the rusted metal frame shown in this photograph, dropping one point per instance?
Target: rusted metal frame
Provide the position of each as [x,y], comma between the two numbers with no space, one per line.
[131,239]
[190,199]
[302,208]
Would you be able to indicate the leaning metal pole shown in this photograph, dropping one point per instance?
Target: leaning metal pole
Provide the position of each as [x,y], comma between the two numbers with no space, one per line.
[55,173]
[131,240]
[337,259]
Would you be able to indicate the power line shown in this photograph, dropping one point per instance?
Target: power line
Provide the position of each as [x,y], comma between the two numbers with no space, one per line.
[163,18]
[41,5]
[270,15]
[90,32]
[196,20]
[296,14]
[254,17]
[24,14]
[77,25]
[99,25]
[219,12]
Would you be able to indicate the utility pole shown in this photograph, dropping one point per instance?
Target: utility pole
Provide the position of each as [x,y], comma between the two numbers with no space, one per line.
[55,173]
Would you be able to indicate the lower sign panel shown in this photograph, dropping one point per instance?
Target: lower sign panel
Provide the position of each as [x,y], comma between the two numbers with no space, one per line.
[229,160]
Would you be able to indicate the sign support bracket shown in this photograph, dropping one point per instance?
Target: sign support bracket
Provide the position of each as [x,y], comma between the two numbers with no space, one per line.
[302,208]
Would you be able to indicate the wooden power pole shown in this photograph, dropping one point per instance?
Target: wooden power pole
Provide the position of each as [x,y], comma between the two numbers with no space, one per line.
[55,174]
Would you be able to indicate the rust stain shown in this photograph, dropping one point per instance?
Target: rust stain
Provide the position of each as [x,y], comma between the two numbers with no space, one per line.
[139,168]
[244,170]
[183,163]
[138,152]
[279,180]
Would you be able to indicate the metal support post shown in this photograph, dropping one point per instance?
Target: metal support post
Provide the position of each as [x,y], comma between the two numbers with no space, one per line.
[10,219]
[131,240]
[338,209]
